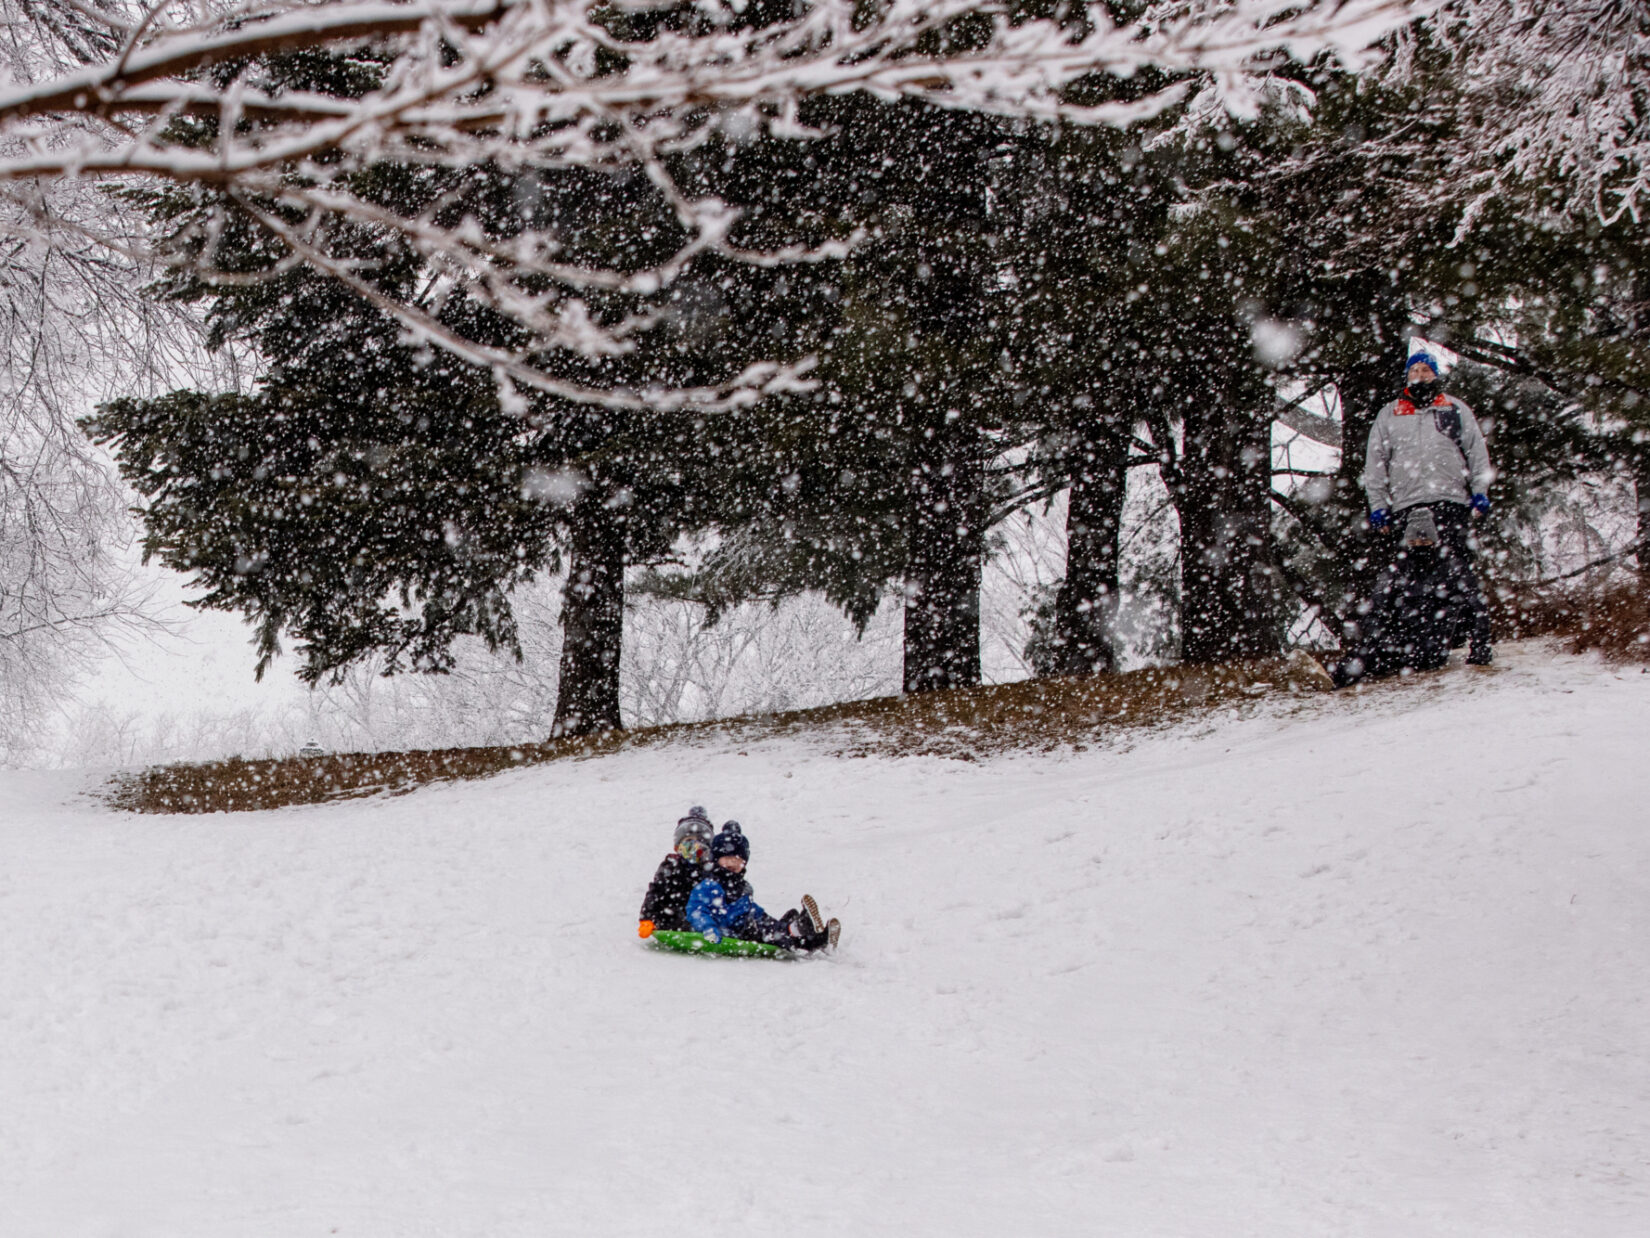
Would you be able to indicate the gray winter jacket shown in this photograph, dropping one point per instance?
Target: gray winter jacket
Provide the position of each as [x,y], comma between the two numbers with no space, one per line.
[1413,460]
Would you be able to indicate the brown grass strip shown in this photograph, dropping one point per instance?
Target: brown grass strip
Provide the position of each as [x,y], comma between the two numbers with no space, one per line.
[1611,619]
[963,723]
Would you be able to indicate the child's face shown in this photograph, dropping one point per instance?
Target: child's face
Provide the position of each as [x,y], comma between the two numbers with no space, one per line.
[732,863]
[695,849]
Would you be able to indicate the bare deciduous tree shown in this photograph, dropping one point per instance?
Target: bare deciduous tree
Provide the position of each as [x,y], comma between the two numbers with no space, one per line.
[74,327]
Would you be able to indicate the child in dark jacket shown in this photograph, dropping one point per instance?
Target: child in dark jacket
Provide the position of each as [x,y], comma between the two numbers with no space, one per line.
[665,906]
[723,904]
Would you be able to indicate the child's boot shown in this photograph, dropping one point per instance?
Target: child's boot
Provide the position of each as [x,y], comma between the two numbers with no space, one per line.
[812,908]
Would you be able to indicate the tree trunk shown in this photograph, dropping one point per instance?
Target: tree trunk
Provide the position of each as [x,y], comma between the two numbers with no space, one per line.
[592,622]
[1641,489]
[1232,596]
[1085,608]
[945,528]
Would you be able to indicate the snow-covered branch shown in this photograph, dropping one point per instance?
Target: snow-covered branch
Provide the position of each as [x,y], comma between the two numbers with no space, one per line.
[1549,93]
[536,56]
[185,94]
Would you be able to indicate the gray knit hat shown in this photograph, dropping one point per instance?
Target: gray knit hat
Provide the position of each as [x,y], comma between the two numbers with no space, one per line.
[1420,529]
[695,825]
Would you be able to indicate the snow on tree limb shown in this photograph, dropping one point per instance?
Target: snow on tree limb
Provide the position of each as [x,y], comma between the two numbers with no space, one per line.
[534,57]
[531,85]
[572,331]
[1547,92]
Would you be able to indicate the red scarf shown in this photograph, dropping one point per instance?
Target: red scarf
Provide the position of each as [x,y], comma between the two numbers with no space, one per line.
[1406,406]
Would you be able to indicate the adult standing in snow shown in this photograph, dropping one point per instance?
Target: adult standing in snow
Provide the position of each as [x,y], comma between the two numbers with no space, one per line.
[1426,451]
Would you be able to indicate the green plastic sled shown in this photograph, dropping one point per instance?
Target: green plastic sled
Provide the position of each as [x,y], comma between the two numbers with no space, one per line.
[696,943]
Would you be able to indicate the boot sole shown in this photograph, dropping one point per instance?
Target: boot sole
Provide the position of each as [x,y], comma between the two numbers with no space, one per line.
[812,908]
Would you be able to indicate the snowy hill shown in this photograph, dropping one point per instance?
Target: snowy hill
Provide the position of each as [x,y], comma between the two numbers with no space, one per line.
[1363,966]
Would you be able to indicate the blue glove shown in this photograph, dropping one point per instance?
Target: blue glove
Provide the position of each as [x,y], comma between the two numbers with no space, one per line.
[1377,518]
[1481,504]
[712,936]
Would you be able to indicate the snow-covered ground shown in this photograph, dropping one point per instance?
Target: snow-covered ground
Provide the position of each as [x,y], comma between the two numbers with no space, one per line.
[1358,966]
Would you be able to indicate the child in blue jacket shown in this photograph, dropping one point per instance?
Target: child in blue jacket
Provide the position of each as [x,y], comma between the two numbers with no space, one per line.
[723,904]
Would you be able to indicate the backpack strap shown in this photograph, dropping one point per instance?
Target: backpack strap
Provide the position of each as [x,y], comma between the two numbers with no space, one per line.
[1447,418]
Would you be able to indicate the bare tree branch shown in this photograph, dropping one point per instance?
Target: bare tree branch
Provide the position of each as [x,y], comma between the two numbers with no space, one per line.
[532,85]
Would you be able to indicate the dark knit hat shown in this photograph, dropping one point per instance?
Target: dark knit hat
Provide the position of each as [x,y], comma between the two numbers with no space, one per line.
[731,841]
[695,825]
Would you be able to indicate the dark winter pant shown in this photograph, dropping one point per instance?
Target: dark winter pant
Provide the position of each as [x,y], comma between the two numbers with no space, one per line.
[1428,600]
[778,932]
[1466,598]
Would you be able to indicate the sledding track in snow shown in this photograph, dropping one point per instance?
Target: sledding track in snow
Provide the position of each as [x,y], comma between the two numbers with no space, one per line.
[1372,966]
